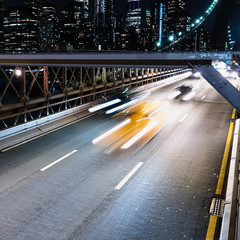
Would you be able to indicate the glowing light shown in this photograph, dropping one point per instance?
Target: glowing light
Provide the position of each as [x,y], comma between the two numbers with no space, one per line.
[161,19]
[158,44]
[122,106]
[189,96]
[197,74]
[101,137]
[175,94]
[18,72]
[129,143]
[197,21]
[104,105]
[171,38]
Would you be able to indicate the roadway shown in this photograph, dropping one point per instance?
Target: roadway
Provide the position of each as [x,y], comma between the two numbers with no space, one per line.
[166,197]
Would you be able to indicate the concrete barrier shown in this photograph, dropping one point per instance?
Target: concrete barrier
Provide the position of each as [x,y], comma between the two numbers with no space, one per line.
[229,223]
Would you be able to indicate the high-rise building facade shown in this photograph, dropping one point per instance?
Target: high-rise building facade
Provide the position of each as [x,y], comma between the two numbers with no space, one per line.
[177,18]
[20,31]
[104,21]
[2,13]
[81,10]
[68,28]
[76,26]
[134,15]
[84,25]
[48,28]
[134,25]
[119,33]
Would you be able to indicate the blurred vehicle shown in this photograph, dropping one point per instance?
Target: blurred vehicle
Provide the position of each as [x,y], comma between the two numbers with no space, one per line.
[120,101]
[231,74]
[141,122]
[184,93]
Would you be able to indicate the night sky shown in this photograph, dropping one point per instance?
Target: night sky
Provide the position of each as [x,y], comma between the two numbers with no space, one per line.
[195,6]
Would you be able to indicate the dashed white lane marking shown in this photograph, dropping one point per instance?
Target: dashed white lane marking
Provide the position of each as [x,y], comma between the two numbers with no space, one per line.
[121,184]
[57,161]
[183,118]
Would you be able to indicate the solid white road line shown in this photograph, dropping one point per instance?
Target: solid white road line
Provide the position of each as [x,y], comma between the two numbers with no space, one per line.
[183,118]
[57,161]
[121,184]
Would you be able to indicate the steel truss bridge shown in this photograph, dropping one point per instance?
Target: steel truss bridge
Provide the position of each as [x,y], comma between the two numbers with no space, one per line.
[33,86]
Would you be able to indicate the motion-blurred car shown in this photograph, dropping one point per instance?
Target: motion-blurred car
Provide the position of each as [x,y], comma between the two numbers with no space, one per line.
[184,93]
[120,101]
[140,124]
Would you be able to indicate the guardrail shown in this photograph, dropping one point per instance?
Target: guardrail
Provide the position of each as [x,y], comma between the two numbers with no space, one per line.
[24,132]
[231,222]
[36,108]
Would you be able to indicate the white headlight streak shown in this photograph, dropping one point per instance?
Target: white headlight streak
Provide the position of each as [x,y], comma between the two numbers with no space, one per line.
[104,105]
[129,143]
[101,137]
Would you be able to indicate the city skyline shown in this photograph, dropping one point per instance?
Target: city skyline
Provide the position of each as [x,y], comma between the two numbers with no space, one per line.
[128,25]
[196,7]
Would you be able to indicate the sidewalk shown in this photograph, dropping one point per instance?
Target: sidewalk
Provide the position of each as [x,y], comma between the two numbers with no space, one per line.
[15,136]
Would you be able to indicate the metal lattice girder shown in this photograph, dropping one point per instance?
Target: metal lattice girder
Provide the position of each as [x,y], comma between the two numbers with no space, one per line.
[221,84]
[50,89]
[9,79]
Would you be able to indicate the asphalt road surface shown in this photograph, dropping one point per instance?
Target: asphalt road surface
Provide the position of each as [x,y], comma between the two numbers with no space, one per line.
[161,191]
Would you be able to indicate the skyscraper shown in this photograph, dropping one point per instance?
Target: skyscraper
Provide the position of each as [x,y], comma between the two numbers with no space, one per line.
[2,12]
[20,31]
[81,10]
[119,33]
[48,27]
[83,24]
[104,23]
[134,18]
[76,27]
[176,18]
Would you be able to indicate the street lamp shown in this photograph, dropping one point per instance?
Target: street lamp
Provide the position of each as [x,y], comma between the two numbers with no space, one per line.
[171,38]
[18,72]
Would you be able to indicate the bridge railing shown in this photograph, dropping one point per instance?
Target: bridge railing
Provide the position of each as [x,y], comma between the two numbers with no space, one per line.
[42,91]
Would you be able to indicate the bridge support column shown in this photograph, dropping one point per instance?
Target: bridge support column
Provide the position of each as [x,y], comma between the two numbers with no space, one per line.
[65,80]
[104,78]
[123,77]
[114,80]
[94,82]
[221,84]
[81,84]
[45,87]
[24,92]
[130,75]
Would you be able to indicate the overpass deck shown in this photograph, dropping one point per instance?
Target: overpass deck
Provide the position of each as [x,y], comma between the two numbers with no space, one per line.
[113,59]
